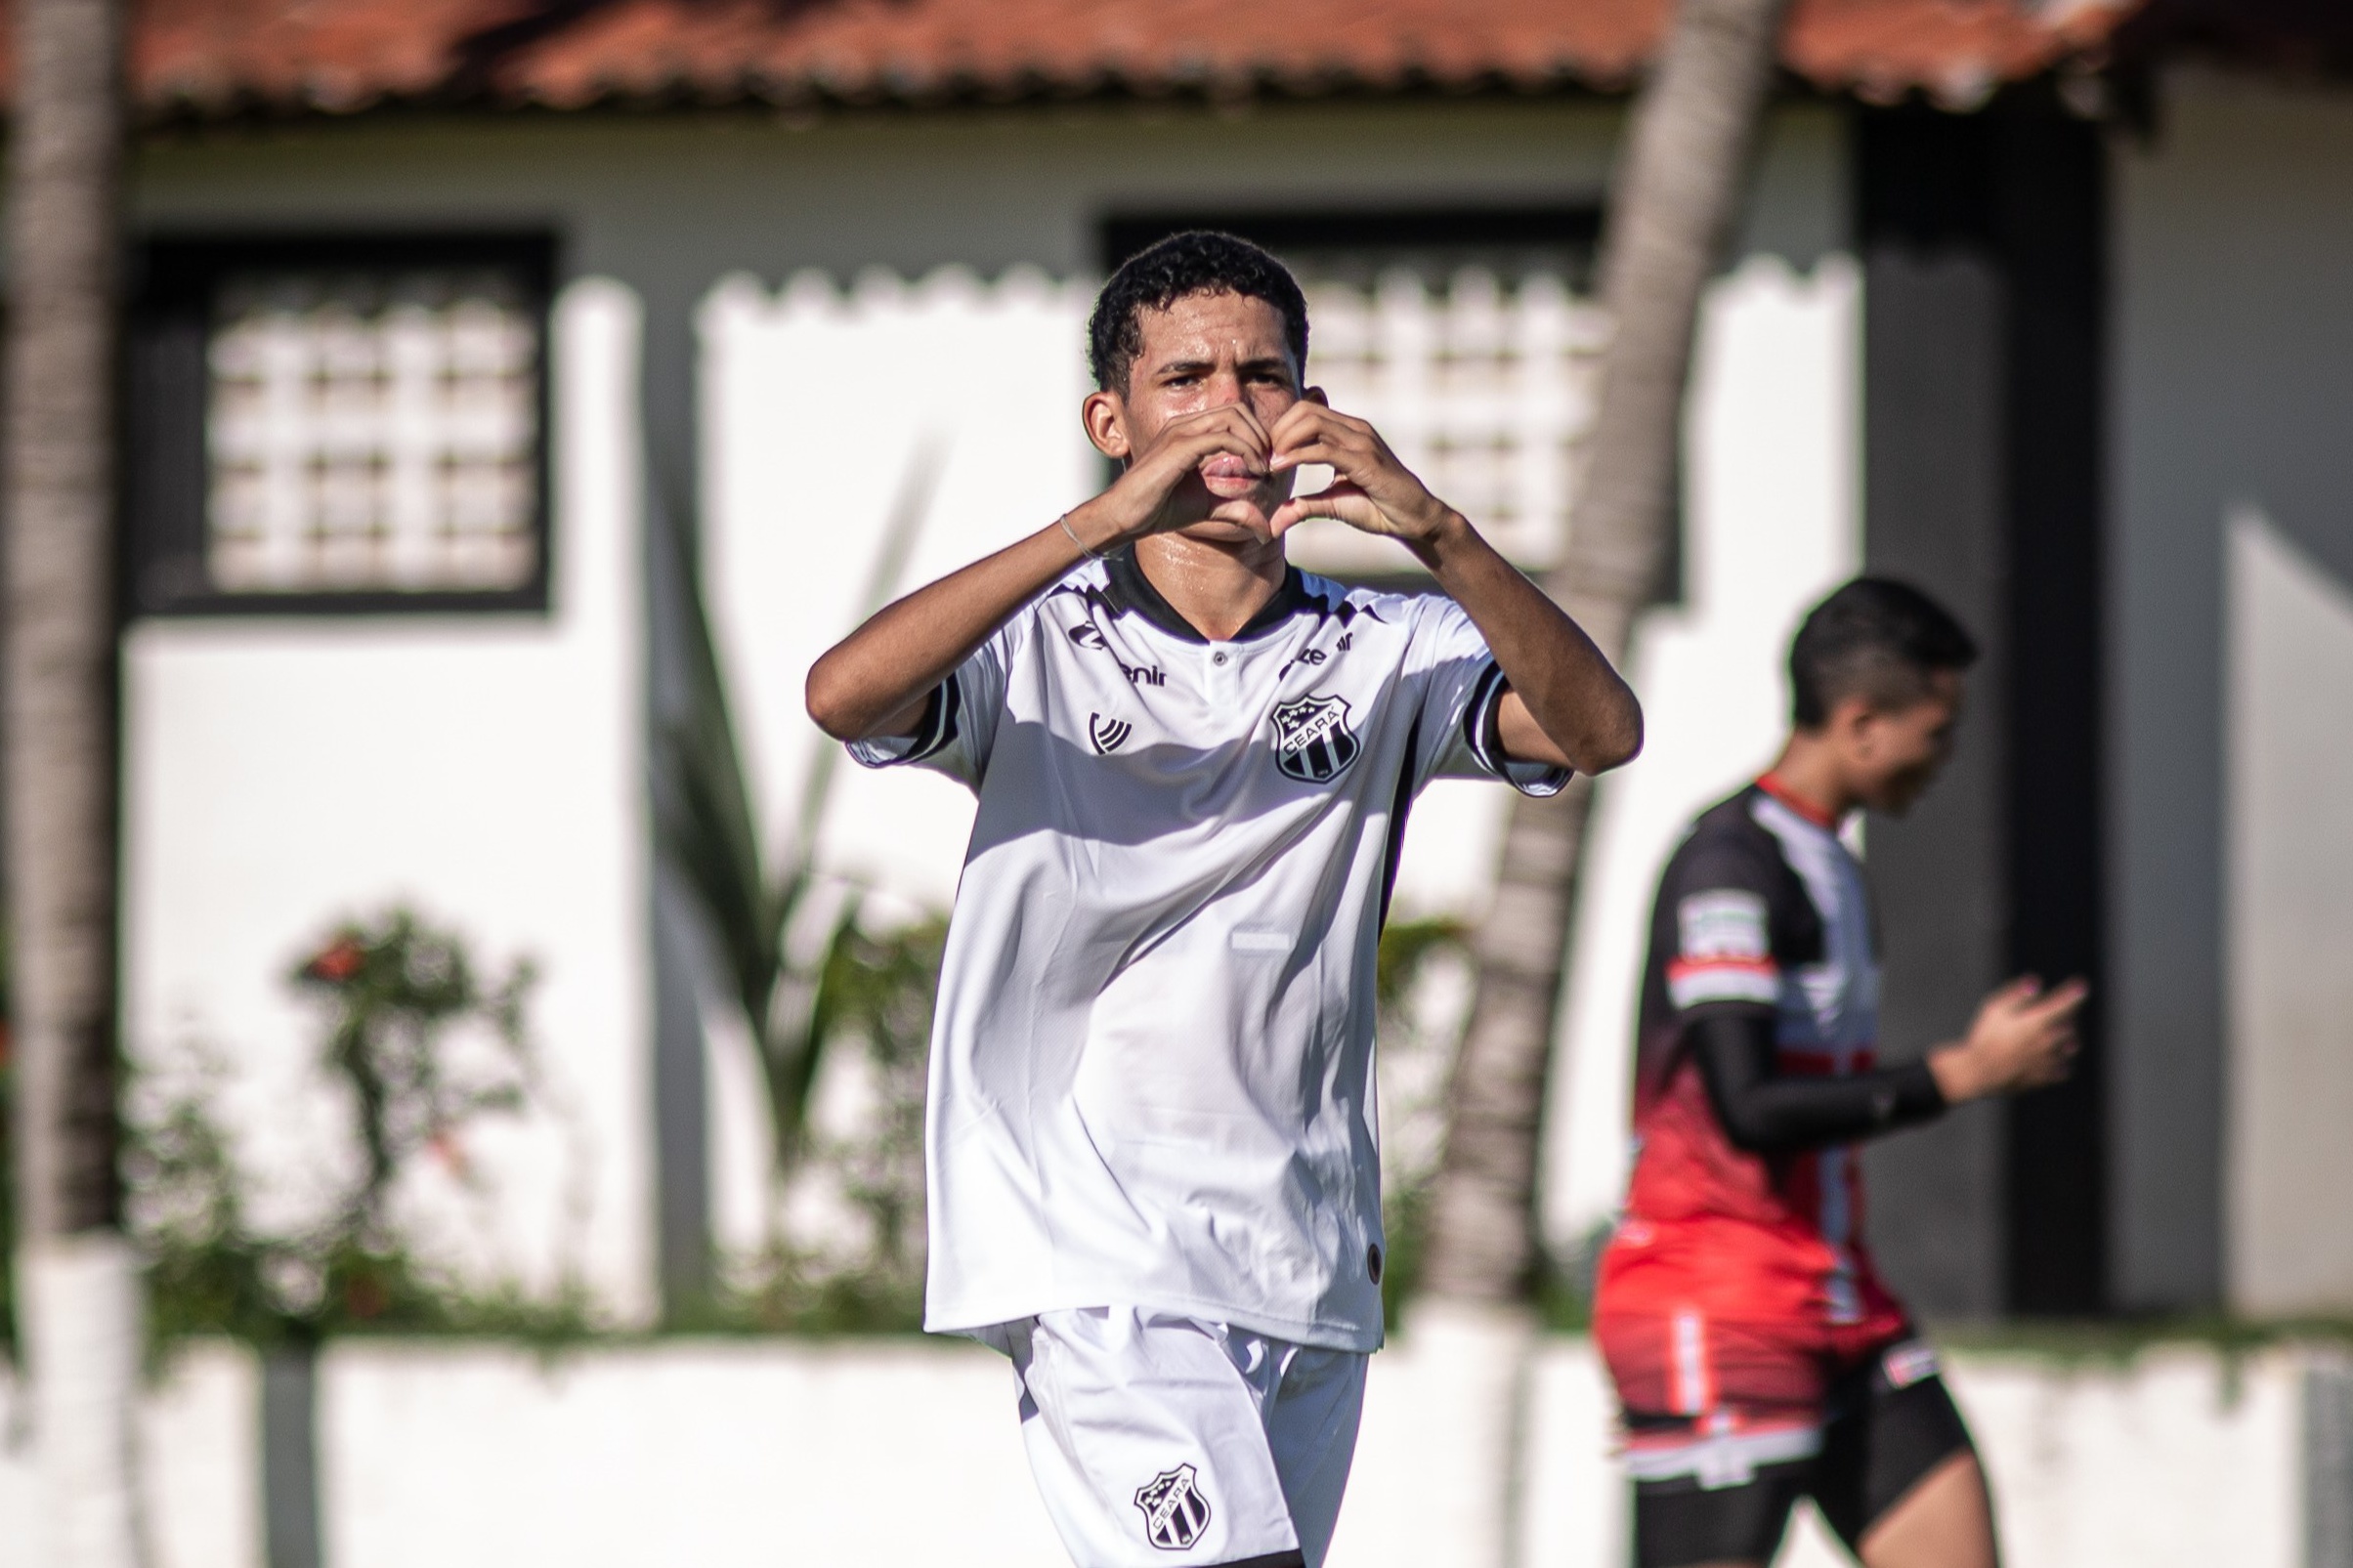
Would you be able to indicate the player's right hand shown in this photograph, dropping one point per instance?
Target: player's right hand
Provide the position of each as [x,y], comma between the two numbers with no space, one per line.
[2024,1039]
[1165,487]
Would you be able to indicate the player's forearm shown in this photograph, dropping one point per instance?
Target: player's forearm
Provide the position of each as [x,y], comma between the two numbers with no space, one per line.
[875,681]
[1765,1112]
[1578,702]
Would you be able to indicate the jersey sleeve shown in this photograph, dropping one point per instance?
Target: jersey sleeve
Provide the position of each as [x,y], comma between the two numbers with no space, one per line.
[958,724]
[1462,697]
[1721,925]
[1764,1111]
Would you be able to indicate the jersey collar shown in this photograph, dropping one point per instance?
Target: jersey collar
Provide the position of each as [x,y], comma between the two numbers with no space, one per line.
[1780,792]
[1129,589]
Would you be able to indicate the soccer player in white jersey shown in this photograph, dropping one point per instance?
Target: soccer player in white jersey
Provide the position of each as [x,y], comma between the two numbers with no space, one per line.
[1151,1136]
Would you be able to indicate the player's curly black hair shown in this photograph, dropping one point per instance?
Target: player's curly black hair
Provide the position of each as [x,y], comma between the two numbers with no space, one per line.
[1875,638]
[1199,261]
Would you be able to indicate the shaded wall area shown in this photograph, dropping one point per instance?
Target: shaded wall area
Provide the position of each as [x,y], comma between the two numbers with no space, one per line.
[2232,539]
[1982,251]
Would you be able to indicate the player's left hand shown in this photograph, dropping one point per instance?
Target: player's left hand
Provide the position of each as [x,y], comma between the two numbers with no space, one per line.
[1370,489]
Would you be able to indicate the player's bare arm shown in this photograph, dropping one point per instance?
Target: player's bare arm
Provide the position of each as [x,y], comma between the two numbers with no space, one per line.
[875,681]
[1566,705]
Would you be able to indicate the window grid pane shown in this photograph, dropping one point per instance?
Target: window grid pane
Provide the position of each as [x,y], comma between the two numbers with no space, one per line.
[1484,386]
[371,434]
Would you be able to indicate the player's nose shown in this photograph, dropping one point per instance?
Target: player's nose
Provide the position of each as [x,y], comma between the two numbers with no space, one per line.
[1224,387]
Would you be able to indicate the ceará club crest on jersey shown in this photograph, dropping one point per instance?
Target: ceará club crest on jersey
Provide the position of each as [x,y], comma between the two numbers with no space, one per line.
[1312,741]
[1175,1511]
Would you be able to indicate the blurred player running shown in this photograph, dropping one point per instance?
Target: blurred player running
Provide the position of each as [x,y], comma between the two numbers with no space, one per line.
[1154,1180]
[1758,1357]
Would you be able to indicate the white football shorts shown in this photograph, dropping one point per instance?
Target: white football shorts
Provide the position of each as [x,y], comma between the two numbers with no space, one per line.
[1161,1439]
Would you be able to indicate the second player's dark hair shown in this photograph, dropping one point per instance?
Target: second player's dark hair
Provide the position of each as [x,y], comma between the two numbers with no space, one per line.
[1199,261]
[1877,639]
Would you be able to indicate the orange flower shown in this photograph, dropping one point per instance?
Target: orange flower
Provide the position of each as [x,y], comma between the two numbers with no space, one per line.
[342,960]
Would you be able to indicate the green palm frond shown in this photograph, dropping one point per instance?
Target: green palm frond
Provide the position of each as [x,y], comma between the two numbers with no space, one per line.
[708,832]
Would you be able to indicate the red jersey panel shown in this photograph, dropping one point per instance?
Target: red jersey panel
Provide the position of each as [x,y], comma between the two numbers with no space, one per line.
[1761,912]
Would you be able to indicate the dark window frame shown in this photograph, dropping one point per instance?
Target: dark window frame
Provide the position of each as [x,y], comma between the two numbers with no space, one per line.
[171,315]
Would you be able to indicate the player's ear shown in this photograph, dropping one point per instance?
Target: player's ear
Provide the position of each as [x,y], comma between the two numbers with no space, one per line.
[1854,722]
[1105,414]
[1316,395]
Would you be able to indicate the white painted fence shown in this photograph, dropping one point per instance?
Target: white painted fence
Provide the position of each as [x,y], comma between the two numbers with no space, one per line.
[743,1452]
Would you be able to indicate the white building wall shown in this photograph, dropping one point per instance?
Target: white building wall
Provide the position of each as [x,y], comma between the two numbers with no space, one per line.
[820,399]
[2290,923]
[747,1454]
[1771,523]
[282,774]
[830,410]
[2231,558]
[934,238]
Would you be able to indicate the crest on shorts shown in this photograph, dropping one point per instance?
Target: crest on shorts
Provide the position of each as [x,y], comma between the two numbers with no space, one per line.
[1312,741]
[1175,1511]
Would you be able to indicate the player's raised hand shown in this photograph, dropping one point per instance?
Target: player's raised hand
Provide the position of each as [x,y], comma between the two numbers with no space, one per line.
[1370,489]
[1197,462]
[2024,1038]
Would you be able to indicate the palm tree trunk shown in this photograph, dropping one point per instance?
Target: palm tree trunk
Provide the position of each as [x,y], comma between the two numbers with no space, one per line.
[1671,216]
[77,1283]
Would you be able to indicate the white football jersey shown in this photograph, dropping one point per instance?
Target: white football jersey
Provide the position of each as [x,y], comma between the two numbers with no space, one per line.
[1151,1077]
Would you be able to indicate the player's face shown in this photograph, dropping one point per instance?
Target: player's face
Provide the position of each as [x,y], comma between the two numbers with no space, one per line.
[1893,756]
[1203,352]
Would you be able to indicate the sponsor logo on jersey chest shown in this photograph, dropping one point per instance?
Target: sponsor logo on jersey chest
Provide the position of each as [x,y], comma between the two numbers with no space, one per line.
[1312,741]
[1175,1511]
[1087,635]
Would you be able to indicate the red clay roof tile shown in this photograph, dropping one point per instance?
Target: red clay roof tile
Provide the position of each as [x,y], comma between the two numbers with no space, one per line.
[208,58]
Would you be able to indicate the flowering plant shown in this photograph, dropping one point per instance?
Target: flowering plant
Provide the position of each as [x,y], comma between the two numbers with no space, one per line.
[393,988]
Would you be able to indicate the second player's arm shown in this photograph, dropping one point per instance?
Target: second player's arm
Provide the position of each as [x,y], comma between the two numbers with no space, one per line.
[2024,1038]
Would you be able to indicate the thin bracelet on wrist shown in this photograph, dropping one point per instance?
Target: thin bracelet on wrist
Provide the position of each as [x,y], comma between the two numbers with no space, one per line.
[1064,520]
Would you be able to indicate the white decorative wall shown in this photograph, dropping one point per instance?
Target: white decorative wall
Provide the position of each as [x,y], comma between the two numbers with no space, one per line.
[742,1453]
[488,770]
[2290,916]
[2229,562]
[1771,523]
[487,762]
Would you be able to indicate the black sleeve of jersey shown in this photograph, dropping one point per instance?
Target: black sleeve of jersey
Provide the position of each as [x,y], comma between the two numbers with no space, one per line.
[1482,730]
[937,728]
[1765,1112]
[1761,924]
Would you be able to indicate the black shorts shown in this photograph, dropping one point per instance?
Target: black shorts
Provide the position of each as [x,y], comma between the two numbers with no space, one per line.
[1879,1439]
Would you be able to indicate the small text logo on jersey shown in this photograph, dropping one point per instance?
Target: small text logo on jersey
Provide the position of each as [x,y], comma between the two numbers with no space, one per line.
[1175,1511]
[1108,735]
[1312,741]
